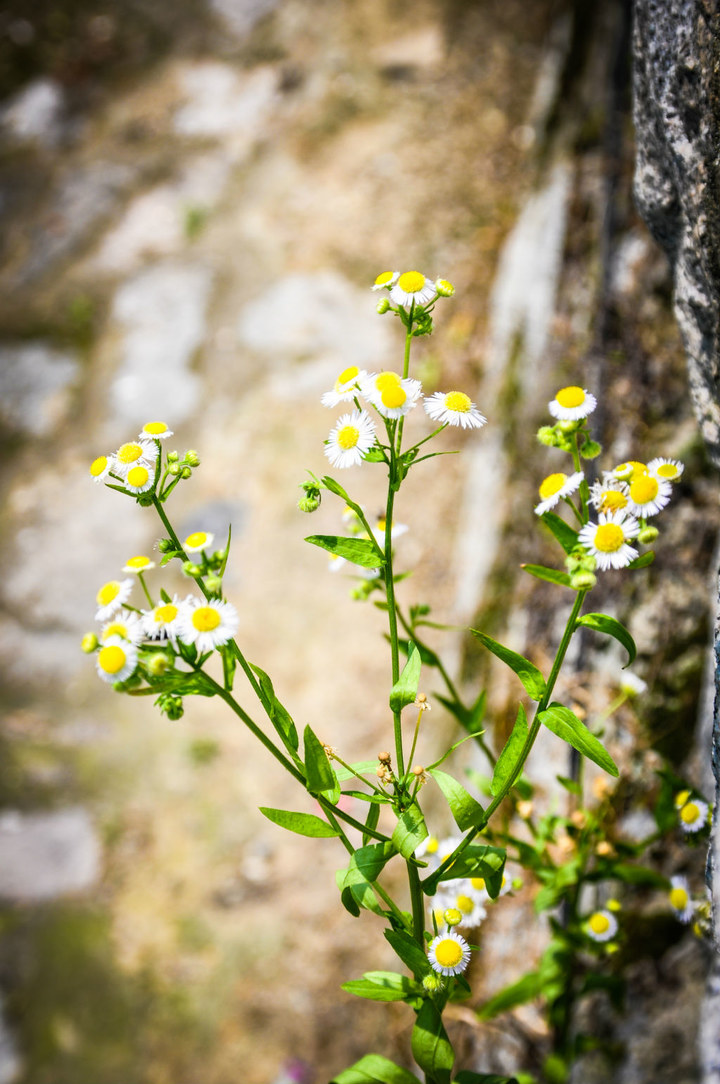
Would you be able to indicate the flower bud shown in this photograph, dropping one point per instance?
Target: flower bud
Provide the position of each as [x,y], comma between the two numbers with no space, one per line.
[185,472]
[191,569]
[89,642]
[165,545]
[648,535]
[174,469]
[384,758]
[546,435]
[192,458]
[444,288]
[214,584]
[382,306]
[583,581]
[590,449]
[432,983]
[219,556]
[171,705]
[452,916]
[566,425]
[157,664]
[172,457]
[308,504]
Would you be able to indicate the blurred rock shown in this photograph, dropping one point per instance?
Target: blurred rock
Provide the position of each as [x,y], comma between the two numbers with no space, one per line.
[45,855]
[221,103]
[240,16]
[35,382]
[34,115]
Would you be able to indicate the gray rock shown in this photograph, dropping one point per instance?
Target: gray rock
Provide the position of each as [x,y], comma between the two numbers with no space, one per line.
[35,385]
[224,104]
[34,114]
[240,16]
[46,855]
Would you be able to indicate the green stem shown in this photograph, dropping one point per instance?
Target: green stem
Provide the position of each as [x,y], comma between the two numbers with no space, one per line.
[417,903]
[392,618]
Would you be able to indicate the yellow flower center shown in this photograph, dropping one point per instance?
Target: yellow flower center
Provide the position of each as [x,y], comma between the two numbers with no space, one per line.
[154,429]
[459,401]
[346,375]
[432,845]
[205,618]
[165,614]
[383,278]
[411,282]
[111,659]
[612,500]
[98,466]
[448,953]
[681,798]
[348,436]
[668,470]
[609,538]
[689,813]
[551,485]
[570,397]
[464,904]
[129,453]
[644,489]
[393,396]
[478,883]
[197,538]
[115,629]
[137,476]
[380,526]
[138,563]
[599,923]
[107,593]
[386,380]
[679,899]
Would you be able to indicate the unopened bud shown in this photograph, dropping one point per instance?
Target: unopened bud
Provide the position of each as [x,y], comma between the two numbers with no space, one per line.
[452,916]
[185,472]
[191,569]
[382,306]
[172,457]
[418,770]
[165,545]
[583,581]
[590,449]
[384,758]
[648,535]
[213,584]
[444,288]
[174,469]
[569,426]
[308,504]
[89,642]
[432,983]
[192,458]
[546,435]
[157,664]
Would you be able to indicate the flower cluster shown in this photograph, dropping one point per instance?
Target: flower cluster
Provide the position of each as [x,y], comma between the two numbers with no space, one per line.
[460,901]
[613,511]
[136,467]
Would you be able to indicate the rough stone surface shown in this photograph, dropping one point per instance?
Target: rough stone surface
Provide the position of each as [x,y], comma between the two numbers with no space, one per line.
[35,382]
[34,115]
[45,855]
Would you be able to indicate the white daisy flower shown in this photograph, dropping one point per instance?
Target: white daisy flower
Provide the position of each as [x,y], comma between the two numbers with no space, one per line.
[572,403]
[135,453]
[385,280]
[207,624]
[350,440]
[449,953]
[378,530]
[163,620]
[610,495]
[101,467]
[479,888]
[601,925]
[693,815]
[346,387]
[139,479]
[125,624]
[111,597]
[428,849]
[454,408]
[629,471]
[607,540]
[679,899]
[155,431]
[198,541]
[668,470]
[458,896]
[555,487]
[138,564]
[412,288]
[392,396]
[116,660]
[648,495]
[336,562]
[632,685]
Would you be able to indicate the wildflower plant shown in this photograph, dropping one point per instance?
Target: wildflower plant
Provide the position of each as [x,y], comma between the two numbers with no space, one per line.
[162,646]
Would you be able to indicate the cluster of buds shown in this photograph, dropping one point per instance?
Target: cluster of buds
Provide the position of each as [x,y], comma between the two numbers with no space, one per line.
[384,770]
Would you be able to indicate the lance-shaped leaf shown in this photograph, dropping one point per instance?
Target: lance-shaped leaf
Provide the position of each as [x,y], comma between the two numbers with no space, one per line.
[383,986]
[565,535]
[430,1045]
[409,952]
[525,989]
[278,715]
[374,1069]
[643,560]
[505,764]
[530,676]
[364,868]
[466,812]
[410,830]
[567,726]
[361,551]
[305,824]
[477,860]
[404,691]
[550,575]
[611,627]
[320,778]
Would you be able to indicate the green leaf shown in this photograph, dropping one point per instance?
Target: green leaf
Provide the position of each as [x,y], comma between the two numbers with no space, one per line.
[355,881]
[643,560]
[374,1069]
[505,764]
[551,575]
[383,986]
[566,725]
[371,821]
[565,535]
[320,777]
[404,691]
[466,812]
[278,715]
[632,875]
[525,989]
[530,676]
[467,1077]
[477,860]
[430,1045]
[409,952]
[361,551]
[305,824]
[410,830]
[360,767]
[611,627]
